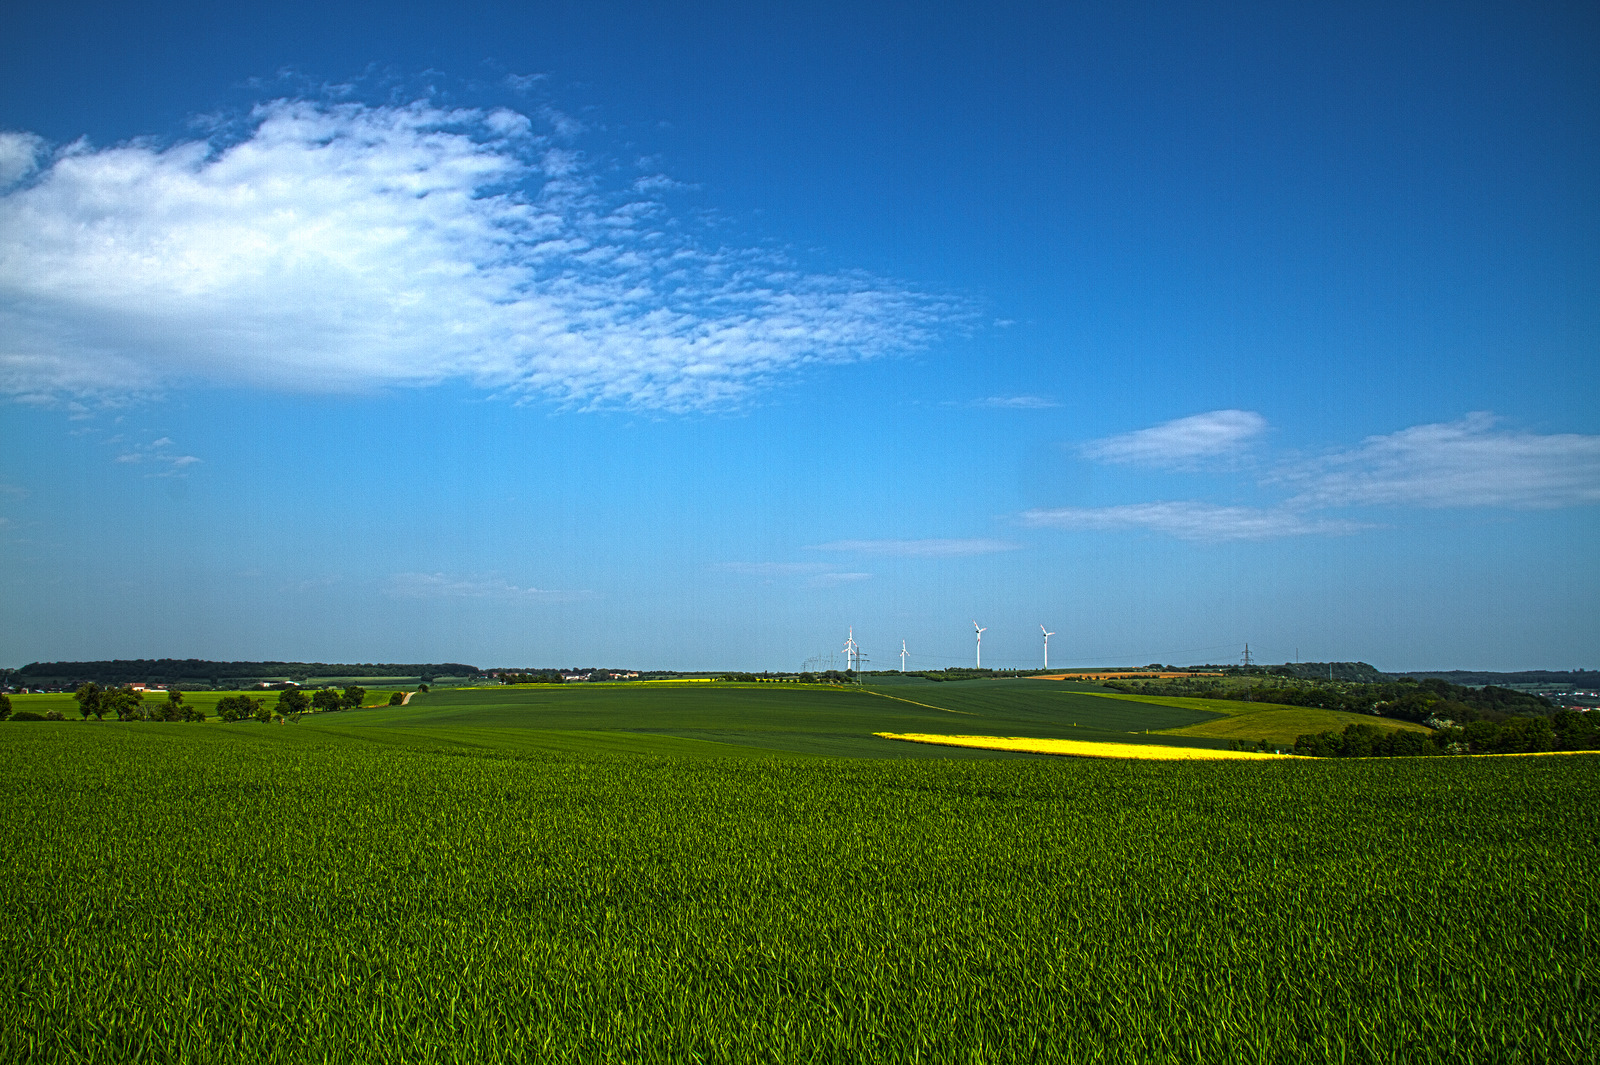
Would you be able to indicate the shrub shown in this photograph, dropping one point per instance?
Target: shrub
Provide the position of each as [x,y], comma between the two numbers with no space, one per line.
[26,715]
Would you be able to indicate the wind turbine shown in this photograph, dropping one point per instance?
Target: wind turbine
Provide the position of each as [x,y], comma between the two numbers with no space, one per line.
[980,629]
[903,653]
[1047,636]
[852,651]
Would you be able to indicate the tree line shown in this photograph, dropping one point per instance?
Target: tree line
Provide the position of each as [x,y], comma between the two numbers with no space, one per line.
[172,670]
[1566,730]
[1428,701]
[127,704]
[542,676]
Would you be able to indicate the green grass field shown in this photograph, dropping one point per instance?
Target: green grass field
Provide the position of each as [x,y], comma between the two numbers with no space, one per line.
[1251,722]
[819,720]
[806,719]
[479,879]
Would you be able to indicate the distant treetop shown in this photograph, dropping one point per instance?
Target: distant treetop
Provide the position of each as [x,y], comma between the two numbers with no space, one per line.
[171,670]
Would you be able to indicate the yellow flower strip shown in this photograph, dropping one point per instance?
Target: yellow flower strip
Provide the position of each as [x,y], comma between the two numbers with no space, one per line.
[1080,748]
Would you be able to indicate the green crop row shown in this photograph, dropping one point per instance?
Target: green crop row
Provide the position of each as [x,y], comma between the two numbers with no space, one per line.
[284,894]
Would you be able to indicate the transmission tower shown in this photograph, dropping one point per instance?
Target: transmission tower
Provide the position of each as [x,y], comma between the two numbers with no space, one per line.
[1246,660]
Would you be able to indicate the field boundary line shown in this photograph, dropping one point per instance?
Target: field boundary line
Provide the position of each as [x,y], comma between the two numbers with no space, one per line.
[913,702]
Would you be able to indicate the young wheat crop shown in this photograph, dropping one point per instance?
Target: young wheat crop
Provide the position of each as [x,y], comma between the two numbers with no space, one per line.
[274,894]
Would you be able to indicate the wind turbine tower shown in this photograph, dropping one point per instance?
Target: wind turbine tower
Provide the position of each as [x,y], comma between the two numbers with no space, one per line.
[903,653]
[852,652]
[980,630]
[1047,636]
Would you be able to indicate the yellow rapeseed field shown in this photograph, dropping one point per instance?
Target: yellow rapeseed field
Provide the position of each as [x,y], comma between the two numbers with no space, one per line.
[1078,748]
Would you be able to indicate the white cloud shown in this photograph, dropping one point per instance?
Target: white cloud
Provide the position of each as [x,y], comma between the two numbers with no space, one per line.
[1183,442]
[1189,521]
[159,453]
[658,183]
[441,586]
[19,156]
[340,246]
[1467,463]
[917,548]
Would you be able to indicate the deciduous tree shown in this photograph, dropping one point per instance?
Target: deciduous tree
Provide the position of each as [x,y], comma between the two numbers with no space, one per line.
[291,701]
[126,703]
[91,700]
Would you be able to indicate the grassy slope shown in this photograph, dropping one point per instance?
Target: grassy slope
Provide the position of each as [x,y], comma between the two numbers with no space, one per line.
[795,719]
[1269,722]
[712,719]
[286,894]
[822,720]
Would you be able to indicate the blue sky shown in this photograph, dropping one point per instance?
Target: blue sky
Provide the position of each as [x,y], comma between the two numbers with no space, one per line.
[689,336]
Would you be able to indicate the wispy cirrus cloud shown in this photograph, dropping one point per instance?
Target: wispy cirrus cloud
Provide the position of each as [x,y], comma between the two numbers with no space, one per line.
[816,574]
[771,569]
[1024,402]
[1183,442]
[828,580]
[325,245]
[1189,520]
[933,548]
[443,586]
[1466,463]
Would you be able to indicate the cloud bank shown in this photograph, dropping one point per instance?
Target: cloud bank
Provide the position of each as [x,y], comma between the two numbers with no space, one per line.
[341,246]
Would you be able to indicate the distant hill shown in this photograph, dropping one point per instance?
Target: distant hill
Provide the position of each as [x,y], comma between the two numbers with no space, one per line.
[1555,678]
[1349,672]
[1366,673]
[1358,672]
[195,670]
